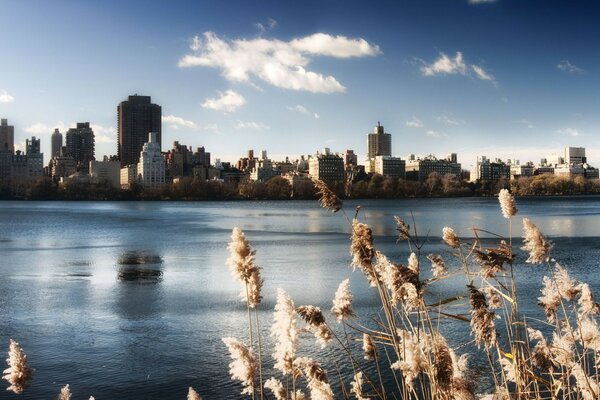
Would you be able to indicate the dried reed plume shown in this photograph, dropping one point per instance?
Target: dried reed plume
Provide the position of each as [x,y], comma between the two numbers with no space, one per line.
[493,297]
[587,304]
[242,266]
[567,287]
[413,361]
[589,334]
[362,250]
[356,386]
[587,386]
[403,228]
[342,302]
[401,281]
[413,263]
[541,356]
[276,387]
[507,204]
[328,199]
[65,393]
[368,347]
[193,395]
[550,299]
[286,333]
[444,368]
[563,346]
[18,373]
[438,267]
[482,319]
[492,260]
[315,320]
[316,379]
[450,237]
[243,366]
[463,385]
[535,243]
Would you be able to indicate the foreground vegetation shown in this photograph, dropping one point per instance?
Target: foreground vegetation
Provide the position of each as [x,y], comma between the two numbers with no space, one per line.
[405,353]
[278,188]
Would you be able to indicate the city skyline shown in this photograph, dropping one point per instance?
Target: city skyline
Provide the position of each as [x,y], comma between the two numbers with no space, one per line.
[495,78]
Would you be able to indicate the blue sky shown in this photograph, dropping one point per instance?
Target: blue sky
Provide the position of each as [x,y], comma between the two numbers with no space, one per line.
[505,78]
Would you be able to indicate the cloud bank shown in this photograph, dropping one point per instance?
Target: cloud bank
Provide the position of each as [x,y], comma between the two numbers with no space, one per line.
[282,64]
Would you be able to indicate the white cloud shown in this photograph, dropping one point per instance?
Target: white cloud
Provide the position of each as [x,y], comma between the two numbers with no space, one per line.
[445,65]
[414,123]
[483,74]
[303,110]
[434,134]
[279,63]
[40,128]
[268,26]
[257,126]
[104,134]
[570,132]
[566,66]
[449,120]
[228,101]
[177,122]
[5,97]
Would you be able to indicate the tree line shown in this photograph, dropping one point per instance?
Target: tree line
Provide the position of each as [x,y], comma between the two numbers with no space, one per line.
[369,187]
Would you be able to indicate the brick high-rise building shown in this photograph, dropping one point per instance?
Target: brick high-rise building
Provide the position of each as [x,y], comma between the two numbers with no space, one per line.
[57,143]
[80,145]
[136,118]
[7,137]
[379,143]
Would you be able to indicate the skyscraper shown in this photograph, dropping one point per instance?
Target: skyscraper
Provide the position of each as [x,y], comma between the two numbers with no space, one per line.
[136,118]
[80,145]
[379,143]
[57,143]
[7,136]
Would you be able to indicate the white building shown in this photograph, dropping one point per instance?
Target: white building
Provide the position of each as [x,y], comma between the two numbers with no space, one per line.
[575,155]
[151,167]
[128,176]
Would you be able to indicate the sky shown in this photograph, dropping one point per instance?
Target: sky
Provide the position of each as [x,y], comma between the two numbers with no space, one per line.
[513,79]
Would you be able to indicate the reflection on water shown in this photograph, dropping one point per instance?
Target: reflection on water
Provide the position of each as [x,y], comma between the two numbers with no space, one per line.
[139,257]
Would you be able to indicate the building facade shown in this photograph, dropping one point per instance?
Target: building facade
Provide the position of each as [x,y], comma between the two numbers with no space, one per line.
[394,167]
[418,169]
[136,118]
[56,143]
[327,167]
[80,145]
[151,165]
[105,170]
[486,170]
[379,143]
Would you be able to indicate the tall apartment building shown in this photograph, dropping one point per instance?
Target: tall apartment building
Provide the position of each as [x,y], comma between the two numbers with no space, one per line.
[379,143]
[80,145]
[151,165]
[327,167]
[7,136]
[136,118]
[7,149]
[35,158]
[56,143]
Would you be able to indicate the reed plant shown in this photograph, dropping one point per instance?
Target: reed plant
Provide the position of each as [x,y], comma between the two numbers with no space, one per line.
[405,352]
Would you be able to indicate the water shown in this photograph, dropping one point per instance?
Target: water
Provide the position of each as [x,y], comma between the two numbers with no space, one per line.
[131,300]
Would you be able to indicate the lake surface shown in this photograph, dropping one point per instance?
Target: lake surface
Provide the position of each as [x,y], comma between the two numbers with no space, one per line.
[131,299]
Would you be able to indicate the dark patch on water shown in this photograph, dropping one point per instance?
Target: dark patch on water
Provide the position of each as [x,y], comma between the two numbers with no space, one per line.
[141,275]
[136,257]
